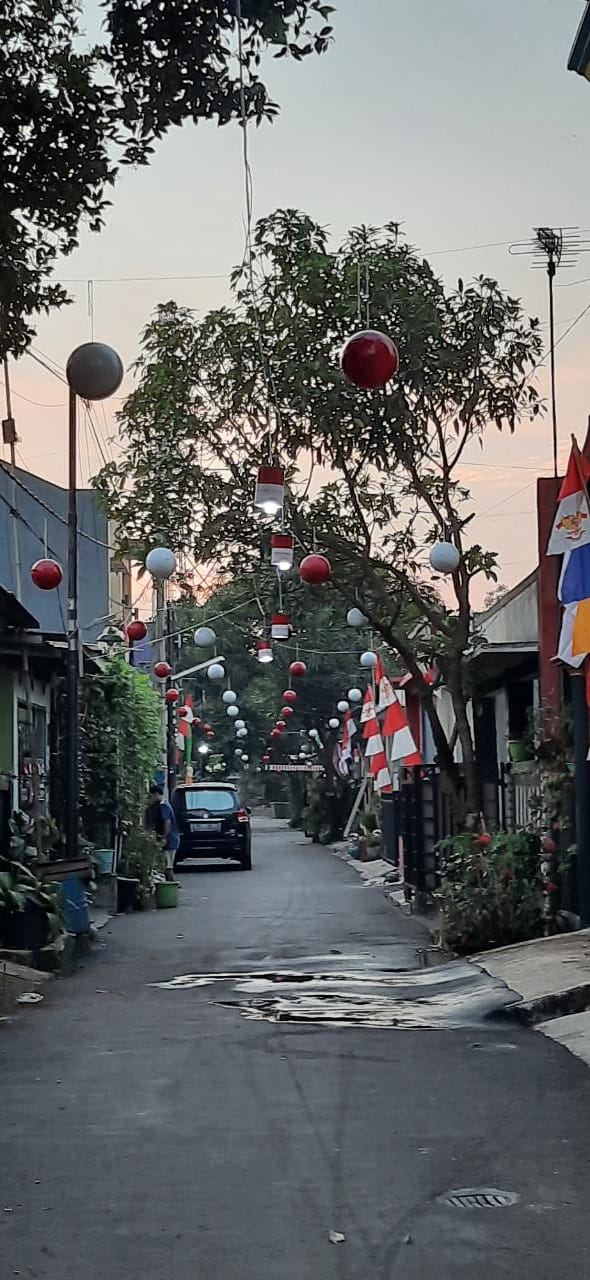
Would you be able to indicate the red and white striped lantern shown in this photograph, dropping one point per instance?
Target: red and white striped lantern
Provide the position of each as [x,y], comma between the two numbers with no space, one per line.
[269,494]
[280,626]
[281,551]
[264,651]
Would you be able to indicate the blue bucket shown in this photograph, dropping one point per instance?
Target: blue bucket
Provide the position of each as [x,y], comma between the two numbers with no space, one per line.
[105,861]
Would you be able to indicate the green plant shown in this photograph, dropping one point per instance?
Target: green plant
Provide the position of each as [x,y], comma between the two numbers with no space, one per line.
[491,893]
[142,859]
[20,889]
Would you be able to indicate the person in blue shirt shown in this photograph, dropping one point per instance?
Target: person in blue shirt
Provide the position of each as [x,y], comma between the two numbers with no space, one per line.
[163,821]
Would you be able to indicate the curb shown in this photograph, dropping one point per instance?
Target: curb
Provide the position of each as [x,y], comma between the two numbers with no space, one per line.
[543,1009]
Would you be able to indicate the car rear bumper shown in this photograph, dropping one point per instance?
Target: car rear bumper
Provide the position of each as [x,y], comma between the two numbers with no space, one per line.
[201,847]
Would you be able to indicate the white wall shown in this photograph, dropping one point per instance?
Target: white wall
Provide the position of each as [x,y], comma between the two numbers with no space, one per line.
[516,620]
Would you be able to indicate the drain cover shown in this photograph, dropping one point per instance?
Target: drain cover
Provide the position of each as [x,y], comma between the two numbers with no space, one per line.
[479,1198]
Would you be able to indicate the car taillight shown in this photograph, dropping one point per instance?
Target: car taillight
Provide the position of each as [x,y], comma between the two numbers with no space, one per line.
[242,815]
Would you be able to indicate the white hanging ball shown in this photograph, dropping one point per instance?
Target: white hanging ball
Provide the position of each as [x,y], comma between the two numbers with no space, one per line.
[334,723]
[444,557]
[205,637]
[242,733]
[368,660]
[313,733]
[342,707]
[229,697]
[355,695]
[240,724]
[245,759]
[355,618]
[238,751]
[232,712]
[215,671]
[160,562]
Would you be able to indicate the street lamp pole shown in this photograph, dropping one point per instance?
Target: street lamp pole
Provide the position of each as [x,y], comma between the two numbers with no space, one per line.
[94,372]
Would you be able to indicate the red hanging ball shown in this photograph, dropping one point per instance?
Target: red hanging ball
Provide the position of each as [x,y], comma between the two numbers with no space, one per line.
[207,728]
[135,630]
[315,570]
[196,721]
[275,733]
[46,574]
[289,695]
[297,669]
[281,725]
[162,670]
[210,733]
[183,712]
[172,695]
[286,711]
[369,359]
[266,759]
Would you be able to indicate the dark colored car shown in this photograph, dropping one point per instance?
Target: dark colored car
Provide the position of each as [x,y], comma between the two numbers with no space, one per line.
[213,823]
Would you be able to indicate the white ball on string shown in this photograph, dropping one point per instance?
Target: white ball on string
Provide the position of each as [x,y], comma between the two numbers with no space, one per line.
[355,618]
[242,733]
[215,671]
[205,637]
[229,697]
[232,712]
[240,724]
[342,707]
[334,723]
[368,660]
[355,695]
[245,759]
[444,557]
[238,751]
[160,562]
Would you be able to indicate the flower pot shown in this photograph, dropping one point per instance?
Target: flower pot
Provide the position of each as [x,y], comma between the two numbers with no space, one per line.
[126,894]
[167,894]
[518,751]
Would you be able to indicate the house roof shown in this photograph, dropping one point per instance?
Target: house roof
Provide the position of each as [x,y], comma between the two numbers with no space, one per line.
[13,613]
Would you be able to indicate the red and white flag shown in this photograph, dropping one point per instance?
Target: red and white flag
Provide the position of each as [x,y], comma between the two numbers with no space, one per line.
[368,710]
[380,772]
[396,727]
[571,526]
[384,690]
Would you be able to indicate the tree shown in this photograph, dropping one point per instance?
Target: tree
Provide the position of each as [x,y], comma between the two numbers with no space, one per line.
[69,115]
[260,380]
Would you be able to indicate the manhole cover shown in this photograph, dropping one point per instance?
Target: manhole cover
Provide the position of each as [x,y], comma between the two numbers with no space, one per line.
[479,1198]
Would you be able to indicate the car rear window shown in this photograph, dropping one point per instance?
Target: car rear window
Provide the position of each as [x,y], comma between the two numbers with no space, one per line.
[215,801]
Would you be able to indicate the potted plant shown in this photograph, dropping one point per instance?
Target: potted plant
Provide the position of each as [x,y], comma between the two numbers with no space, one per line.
[142,860]
[30,910]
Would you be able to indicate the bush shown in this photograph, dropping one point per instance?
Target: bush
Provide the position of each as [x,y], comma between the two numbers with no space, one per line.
[491,892]
[142,859]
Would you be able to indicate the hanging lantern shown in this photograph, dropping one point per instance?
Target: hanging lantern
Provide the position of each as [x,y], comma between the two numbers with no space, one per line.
[135,631]
[297,669]
[161,563]
[280,626]
[269,494]
[275,733]
[240,724]
[229,697]
[266,759]
[232,712]
[334,723]
[46,574]
[369,359]
[162,670]
[264,651]
[289,695]
[242,733]
[342,707]
[282,725]
[368,660]
[281,551]
[172,695]
[444,557]
[205,637]
[215,671]
[286,712]
[315,570]
[355,618]
[183,713]
[355,695]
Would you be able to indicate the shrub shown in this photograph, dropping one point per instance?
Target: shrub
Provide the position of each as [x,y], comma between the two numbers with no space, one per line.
[491,894]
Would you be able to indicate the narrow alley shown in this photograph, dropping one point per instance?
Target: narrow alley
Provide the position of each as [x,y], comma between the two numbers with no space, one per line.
[170,1132]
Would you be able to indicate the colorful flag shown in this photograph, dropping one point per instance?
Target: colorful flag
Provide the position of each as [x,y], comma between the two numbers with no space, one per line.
[574,580]
[564,648]
[571,527]
[581,630]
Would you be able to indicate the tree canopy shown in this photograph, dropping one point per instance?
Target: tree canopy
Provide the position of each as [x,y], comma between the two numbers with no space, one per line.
[373,477]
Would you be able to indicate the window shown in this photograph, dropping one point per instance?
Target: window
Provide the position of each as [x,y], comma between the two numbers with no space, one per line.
[32,757]
[214,801]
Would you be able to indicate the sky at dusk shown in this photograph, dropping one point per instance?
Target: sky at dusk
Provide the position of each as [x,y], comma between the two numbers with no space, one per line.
[458,119]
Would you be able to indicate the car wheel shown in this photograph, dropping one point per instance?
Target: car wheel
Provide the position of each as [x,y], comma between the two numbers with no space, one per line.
[246,859]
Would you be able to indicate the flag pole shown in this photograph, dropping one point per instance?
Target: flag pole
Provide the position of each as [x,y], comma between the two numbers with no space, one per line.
[580,737]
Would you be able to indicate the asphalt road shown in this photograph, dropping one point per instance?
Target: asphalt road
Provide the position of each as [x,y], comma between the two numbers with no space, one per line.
[176,1133]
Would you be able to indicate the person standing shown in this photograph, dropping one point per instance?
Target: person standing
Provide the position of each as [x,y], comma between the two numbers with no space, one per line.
[165,825]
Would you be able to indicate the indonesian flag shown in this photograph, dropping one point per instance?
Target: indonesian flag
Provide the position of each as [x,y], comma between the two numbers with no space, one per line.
[374,745]
[348,730]
[380,772]
[396,727]
[371,727]
[571,527]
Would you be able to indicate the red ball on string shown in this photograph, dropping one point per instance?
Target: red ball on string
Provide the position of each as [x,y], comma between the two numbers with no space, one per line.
[183,712]
[172,695]
[266,759]
[135,630]
[289,695]
[162,670]
[207,728]
[315,570]
[369,359]
[286,711]
[46,574]
[210,733]
[275,733]
[281,725]
[297,669]
[196,721]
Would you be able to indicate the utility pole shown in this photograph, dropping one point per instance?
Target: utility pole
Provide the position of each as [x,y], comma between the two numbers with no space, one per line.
[170,737]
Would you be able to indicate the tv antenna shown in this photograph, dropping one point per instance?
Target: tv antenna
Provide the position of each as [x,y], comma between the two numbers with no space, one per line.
[553,248]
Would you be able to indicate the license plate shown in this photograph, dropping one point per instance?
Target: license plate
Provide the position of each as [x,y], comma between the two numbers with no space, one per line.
[205,826]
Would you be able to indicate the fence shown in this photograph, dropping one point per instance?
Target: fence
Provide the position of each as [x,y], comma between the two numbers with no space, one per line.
[416,818]
[519,796]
